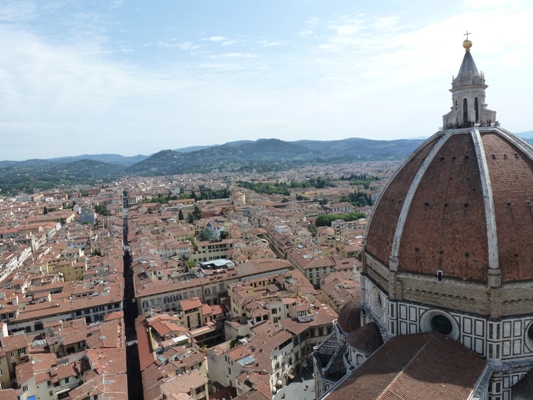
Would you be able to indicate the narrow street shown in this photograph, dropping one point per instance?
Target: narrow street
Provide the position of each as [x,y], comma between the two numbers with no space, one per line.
[135,388]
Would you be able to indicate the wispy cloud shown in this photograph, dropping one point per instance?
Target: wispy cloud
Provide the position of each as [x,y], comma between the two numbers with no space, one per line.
[485,4]
[265,43]
[306,32]
[220,67]
[312,21]
[216,39]
[223,40]
[17,11]
[234,55]
[117,3]
[187,46]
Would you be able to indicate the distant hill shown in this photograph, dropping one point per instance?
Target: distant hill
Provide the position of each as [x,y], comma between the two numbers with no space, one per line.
[239,142]
[228,156]
[271,154]
[26,178]
[261,155]
[525,135]
[25,163]
[115,159]
[192,148]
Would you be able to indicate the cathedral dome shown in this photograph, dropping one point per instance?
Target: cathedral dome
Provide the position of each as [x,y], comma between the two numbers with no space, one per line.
[460,207]
[350,316]
[366,339]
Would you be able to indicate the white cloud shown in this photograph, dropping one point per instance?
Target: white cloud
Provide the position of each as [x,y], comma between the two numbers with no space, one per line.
[187,46]
[220,67]
[387,23]
[312,21]
[486,4]
[216,39]
[269,44]
[17,11]
[346,29]
[117,3]
[306,32]
[234,55]
[52,94]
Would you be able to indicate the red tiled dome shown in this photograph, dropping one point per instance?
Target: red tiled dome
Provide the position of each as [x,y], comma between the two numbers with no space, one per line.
[461,204]
[366,338]
[349,318]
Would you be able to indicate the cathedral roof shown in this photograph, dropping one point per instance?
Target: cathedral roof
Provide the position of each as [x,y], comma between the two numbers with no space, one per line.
[468,73]
[421,366]
[366,339]
[523,389]
[350,316]
[468,68]
[462,205]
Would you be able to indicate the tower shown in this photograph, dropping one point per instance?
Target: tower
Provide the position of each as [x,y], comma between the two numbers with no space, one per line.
[468,96]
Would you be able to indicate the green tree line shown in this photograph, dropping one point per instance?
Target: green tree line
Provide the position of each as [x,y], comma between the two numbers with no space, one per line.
[326,220]
[358,199]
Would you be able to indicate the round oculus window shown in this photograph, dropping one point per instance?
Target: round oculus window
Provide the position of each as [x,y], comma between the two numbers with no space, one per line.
[442,324]
[530,332]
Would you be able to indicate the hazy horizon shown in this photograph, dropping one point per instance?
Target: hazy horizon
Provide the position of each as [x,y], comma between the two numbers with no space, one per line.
[523,135]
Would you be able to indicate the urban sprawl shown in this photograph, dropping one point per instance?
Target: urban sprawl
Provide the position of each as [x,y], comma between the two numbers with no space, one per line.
[189,286]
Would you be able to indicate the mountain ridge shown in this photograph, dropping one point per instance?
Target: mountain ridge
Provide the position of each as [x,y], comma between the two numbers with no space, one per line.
[262,155]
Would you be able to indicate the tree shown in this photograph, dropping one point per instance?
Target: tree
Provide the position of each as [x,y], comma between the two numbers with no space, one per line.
[235,342]
[102,209]
[190,218]
[208,234]
[45,210]
[197,213]
[97,250]
[180,215]
[320,183]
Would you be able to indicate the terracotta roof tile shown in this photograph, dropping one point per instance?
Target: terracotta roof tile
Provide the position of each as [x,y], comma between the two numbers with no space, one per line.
[414,367]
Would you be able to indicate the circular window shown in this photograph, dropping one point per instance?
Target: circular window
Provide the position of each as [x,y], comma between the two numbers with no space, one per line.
[440,321]
[442,324]
[529,336]
[530,332]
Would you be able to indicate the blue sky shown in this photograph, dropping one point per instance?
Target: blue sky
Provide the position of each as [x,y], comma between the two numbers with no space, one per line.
[135,77]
